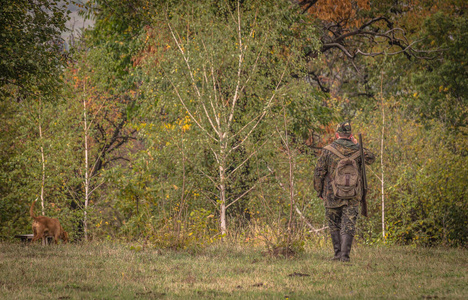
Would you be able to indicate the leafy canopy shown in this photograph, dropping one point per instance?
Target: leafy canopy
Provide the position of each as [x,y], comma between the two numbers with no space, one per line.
[31,46]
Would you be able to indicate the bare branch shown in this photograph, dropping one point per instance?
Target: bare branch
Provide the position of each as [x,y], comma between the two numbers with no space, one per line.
[193,164]
[370,22]
[380,179]
[295,205]
[317,79]
[358,51]
[185,59]
[215,91]
[255,64]
[215,154]
[370,33]
[217,131]
[248,191]
[245,126]
[95,188]
[265,110]
[308,5]
[239,70]
[190,113]
[240,197]
[303,218]
[191,77]
[252,154]
[328,46]
[389,35]
[208,197]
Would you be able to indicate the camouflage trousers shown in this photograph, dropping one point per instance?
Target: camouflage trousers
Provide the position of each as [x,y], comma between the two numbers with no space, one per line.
[343,219]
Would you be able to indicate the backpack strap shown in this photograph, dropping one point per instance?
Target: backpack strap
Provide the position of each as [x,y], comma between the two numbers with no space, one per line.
[337,153]
[334,151]
[355,155]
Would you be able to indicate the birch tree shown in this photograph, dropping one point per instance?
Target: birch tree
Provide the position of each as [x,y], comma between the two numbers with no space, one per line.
[41,141]
[225,68]
[86,163]
[382,179]
[103,131]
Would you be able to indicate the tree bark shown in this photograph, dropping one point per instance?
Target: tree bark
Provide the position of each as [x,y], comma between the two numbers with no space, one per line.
[43,161]
[381,160]
[86,182]
[222,185]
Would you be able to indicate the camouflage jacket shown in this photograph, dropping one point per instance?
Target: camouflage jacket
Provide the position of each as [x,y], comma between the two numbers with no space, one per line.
[327,163]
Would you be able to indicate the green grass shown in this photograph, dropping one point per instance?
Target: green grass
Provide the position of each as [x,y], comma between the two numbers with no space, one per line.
[113,271]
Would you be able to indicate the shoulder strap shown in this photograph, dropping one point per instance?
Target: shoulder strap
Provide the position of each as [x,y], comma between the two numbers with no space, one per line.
[334,151]
[355,155]
[337,153]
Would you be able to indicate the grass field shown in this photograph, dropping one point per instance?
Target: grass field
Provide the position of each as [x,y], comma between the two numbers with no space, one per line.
[113,271]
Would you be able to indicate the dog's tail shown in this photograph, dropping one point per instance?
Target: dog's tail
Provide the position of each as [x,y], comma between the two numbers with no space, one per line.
[31,210]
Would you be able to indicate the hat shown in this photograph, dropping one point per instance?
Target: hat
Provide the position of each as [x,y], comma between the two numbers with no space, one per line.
[344,127]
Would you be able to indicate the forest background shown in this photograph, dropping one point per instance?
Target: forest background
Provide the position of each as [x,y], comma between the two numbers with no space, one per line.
[182,123]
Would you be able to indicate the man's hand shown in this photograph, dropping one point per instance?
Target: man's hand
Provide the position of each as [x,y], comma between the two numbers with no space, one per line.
[353,139]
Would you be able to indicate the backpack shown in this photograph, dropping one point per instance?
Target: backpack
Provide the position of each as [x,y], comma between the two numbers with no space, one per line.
[346,180]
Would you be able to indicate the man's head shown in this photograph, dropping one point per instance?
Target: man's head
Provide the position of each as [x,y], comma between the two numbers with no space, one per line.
[343,130]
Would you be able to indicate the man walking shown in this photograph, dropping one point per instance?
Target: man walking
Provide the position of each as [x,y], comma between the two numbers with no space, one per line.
[338,183]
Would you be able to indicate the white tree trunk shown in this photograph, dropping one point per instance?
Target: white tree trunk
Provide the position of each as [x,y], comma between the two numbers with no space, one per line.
[222,217]
[43,168]
[383,175]
[86,182]
[291,177]
[222,187]
[381,160]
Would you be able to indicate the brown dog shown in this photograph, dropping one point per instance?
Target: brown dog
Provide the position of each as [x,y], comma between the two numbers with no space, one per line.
[45,226]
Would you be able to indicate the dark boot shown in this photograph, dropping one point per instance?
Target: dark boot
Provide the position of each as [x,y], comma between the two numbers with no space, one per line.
[336,240]
[346,242]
